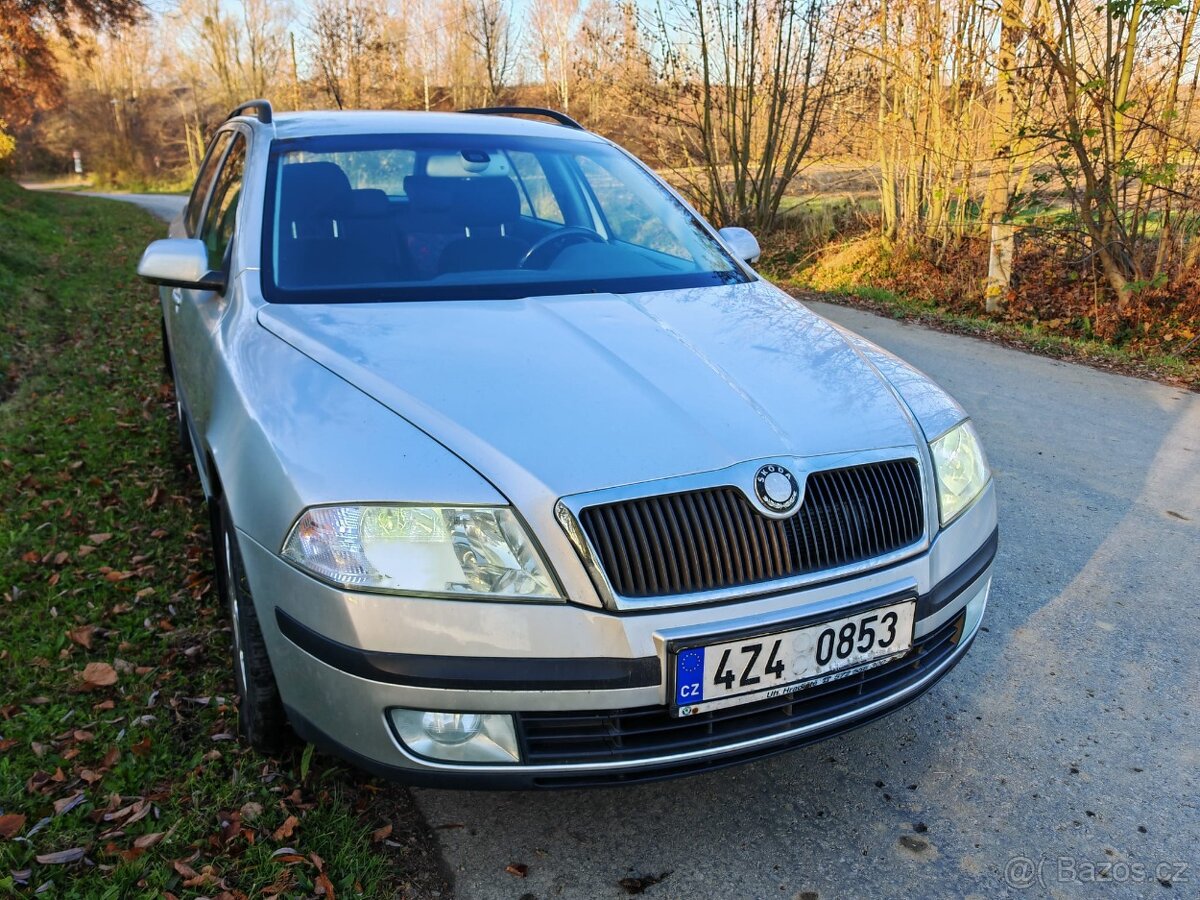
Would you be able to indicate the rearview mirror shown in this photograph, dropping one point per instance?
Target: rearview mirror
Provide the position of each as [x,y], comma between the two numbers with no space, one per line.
[742,242]
[180,262]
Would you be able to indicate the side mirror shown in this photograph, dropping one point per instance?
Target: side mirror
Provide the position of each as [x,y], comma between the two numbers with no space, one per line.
[742,242]
[180,262]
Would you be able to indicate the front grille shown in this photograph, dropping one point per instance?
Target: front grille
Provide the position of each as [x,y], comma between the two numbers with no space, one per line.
[581,738]
[714,538]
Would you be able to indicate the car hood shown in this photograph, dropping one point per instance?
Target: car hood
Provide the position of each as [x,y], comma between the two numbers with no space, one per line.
[552,396]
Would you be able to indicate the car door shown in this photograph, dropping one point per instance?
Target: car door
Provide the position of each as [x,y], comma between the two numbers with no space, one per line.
[196,314]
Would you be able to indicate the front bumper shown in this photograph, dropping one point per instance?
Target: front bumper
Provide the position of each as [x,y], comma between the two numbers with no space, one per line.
[601,672]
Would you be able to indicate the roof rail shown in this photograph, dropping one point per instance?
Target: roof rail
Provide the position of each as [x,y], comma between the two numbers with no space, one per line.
[560,118]
[260,108]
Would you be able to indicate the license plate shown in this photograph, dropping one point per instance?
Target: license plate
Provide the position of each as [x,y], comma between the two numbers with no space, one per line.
[730,672]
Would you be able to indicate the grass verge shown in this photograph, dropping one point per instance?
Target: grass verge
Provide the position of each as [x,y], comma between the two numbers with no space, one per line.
[119,772]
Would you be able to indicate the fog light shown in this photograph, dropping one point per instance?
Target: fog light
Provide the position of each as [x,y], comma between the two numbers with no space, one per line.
[451,728]
[459,737]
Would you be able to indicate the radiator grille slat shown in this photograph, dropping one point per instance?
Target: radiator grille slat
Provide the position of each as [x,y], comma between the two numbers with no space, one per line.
[715,538]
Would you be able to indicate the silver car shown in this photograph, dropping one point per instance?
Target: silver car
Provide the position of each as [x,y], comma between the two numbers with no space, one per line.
[520,476]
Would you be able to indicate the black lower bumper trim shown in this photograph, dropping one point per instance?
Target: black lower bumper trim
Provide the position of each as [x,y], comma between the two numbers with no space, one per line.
[961,578]
[474,673]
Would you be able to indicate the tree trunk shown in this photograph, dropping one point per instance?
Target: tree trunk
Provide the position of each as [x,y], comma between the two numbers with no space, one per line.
[1000,256]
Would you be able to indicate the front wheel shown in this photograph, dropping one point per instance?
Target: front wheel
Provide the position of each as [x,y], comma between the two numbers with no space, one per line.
[261,719]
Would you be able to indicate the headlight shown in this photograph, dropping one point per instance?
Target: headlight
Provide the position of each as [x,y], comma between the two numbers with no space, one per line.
[438,550]
[961,469]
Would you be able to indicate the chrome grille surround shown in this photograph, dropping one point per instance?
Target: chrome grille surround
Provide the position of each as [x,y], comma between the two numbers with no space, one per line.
[569,512]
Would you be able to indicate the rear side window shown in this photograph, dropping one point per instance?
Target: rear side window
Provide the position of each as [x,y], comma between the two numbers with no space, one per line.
[208,171]
[222,210]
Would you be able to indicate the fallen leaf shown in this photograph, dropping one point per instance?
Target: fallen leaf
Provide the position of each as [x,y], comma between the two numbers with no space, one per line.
[99,538]
[324,887]
[82,635]
[231,826]
[148,840]
[66,804]
[206,877]
[184,869]
[518,869]
[142,747]
[380,833]
[11,824]
[61,857]
[284,831]
[97,675]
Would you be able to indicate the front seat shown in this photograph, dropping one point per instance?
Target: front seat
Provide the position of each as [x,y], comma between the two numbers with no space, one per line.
[327,236]
[485,209]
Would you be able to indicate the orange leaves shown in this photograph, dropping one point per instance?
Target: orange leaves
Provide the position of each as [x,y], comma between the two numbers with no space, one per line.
[83,635]
[284,831]
[11,825]
[97,675]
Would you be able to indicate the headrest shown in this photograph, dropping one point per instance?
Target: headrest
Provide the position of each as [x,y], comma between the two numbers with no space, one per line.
[427,195]
[490,200]
[371,203]
[314,190]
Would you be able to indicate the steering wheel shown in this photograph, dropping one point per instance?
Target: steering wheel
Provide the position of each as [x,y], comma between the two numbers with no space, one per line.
[543,252]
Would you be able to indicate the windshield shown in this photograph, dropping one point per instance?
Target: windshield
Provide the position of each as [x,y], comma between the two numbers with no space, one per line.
[419,217]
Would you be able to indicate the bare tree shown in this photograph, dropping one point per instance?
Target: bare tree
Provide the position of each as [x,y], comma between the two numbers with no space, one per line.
[746,93]
[343,36]
[553,32]
[1096,120]
[488,28]
[1000,228]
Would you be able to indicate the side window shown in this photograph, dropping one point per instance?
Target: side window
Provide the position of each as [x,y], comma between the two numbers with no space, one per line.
[629,217]
[537,199]
[222,210]
[204,180]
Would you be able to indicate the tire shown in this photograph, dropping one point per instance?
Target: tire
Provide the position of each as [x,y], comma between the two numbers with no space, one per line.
[262,722]
[181,429]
